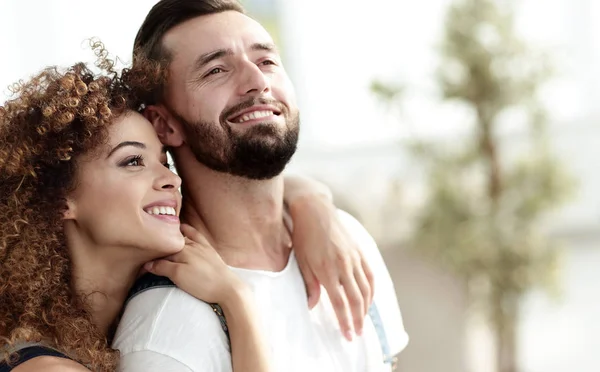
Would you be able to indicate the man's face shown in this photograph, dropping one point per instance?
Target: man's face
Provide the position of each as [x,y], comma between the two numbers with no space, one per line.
[229,90]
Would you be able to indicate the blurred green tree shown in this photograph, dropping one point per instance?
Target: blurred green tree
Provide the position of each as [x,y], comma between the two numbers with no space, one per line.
[482,216]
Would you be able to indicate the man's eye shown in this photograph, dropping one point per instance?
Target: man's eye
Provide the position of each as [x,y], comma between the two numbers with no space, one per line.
[214,71]
[268,62]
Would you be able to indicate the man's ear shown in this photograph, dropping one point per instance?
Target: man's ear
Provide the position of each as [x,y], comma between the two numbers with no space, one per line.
[167,127]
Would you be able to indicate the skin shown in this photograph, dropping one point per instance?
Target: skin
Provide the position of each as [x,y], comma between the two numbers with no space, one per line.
[108,252]
[108,249]
[246,71]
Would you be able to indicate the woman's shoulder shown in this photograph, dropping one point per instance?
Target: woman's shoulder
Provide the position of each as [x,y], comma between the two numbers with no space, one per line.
[50,364]
[30,357]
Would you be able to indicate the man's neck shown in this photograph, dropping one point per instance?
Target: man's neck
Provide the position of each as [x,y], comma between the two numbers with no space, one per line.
[244,217]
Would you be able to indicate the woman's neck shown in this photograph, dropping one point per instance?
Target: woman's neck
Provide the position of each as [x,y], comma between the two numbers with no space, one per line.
[102,276]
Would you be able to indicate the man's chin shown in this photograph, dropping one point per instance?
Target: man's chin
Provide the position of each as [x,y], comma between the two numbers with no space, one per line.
[261,153]
[260,175]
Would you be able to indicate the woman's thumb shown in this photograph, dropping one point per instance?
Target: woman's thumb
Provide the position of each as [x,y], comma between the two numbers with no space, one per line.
[161,268]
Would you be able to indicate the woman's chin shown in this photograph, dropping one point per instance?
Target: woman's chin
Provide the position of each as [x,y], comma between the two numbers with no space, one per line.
[165,246]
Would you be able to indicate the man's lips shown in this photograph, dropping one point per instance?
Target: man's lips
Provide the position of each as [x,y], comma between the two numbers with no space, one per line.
[253,113]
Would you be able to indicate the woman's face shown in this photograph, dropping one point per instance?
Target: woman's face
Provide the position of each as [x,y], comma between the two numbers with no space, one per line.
[126,195]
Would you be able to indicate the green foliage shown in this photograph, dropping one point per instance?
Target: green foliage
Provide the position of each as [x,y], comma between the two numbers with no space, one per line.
[482,217]
[485,63]
[480,240]
[385,91]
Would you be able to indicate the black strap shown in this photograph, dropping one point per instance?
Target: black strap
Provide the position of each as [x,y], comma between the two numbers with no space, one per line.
[150,281]
[27,354]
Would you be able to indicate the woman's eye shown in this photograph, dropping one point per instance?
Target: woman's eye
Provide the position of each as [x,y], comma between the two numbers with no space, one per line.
[136,161]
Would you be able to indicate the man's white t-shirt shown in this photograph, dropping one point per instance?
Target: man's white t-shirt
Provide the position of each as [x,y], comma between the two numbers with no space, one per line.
[165,329]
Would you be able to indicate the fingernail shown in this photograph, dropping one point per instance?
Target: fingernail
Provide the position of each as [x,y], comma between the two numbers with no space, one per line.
[348,335]
[148,265]
[359,331]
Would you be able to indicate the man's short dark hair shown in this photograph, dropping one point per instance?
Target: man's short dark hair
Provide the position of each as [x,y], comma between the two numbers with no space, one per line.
[167,14]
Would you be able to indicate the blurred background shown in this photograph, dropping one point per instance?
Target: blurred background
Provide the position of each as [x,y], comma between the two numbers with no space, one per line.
[462,133]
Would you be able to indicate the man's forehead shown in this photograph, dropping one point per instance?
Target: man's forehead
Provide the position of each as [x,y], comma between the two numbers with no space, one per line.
[215,31]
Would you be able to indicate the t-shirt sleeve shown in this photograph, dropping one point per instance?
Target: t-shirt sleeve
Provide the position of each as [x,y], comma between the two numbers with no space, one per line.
[150,361]
[174,330]
[385,293]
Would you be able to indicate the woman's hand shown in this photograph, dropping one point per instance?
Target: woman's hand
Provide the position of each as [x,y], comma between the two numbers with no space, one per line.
[327,254]
[199,270]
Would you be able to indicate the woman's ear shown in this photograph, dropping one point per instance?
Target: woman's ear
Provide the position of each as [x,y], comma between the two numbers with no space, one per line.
[167,127]
[69,213]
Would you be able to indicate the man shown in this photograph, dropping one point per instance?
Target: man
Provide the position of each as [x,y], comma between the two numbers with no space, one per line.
[228,114]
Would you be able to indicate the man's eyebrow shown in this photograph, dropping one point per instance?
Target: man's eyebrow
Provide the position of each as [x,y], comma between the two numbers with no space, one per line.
[139,145]
[269,47]
[206,58]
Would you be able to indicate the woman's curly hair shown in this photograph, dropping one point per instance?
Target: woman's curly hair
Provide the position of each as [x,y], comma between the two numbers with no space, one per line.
[54,118]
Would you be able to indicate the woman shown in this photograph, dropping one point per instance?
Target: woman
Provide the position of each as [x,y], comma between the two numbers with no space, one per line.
[81,173]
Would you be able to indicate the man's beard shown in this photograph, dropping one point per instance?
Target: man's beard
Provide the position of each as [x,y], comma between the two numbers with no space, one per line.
[259,152]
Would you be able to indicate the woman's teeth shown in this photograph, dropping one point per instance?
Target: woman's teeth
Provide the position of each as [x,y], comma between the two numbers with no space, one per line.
[161,210]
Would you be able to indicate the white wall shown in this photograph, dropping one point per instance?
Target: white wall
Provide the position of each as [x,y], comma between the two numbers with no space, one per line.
[337,47]
[35,34]
[562,334]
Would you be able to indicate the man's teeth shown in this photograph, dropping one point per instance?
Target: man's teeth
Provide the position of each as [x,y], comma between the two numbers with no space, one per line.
[161,210]
[255,115]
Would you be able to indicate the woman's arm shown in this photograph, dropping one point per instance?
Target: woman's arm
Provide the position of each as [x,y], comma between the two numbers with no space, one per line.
[249,351]
[327,254]
[199,270]
[298,187]
[50,364]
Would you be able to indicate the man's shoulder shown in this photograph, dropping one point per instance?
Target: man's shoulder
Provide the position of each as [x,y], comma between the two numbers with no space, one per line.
[359,234]
[171,322]
[385,293]
[348,219]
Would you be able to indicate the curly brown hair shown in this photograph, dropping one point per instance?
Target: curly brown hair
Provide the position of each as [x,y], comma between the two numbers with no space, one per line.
[56,116]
